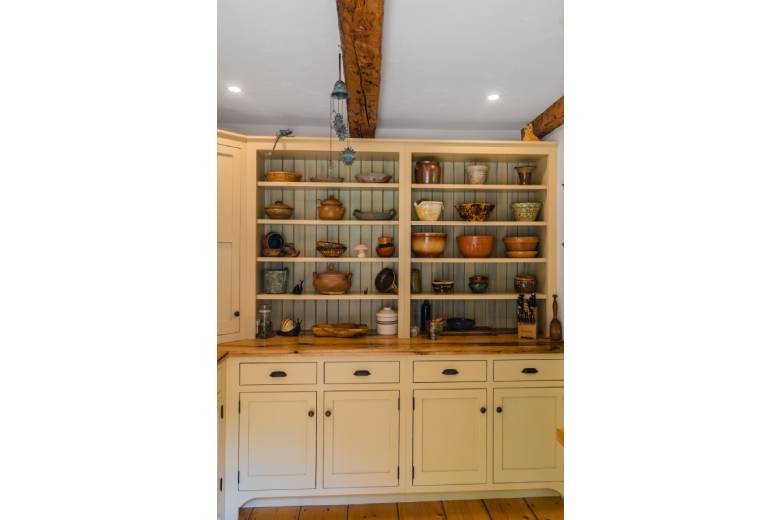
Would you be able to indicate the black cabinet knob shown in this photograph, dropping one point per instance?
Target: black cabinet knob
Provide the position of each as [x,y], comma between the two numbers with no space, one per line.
[278,373]
[482,410]
[237,314]
[361,373]
[327,413]
[499,409]
[530,370]
[450,372]
[311,413]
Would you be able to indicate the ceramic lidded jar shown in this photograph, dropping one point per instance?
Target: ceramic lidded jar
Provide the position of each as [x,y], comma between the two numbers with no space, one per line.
[387,322]
[330,209]
[278,210]
[427,171]
[332,281]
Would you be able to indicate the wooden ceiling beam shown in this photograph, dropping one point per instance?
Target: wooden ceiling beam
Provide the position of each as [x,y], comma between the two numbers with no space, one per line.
[360,25]
[549,120]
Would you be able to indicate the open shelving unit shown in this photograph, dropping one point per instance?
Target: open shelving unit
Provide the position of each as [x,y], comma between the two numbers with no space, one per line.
[309,156]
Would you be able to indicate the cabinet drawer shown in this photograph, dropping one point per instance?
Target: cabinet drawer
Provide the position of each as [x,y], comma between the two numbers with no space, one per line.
[361,372]
[277,374]
[449,371]
[528,370]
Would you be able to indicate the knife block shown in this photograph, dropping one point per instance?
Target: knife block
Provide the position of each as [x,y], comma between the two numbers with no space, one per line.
[527,330]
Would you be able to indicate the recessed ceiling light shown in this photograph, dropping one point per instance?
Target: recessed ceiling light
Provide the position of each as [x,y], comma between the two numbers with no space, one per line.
[234,89]
[493,97]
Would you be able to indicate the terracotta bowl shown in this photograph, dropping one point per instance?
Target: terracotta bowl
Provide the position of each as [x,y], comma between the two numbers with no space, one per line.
[521,243]
[521,254]
[476,246]
[428,245]
[278,176]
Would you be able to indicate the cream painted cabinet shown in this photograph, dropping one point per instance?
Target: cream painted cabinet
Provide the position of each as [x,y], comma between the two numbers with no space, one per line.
[228,239]
[277,440]
[361,439]
[525,444]
[449,445]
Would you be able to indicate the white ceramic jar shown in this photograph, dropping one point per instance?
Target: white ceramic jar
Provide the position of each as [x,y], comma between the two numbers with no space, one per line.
[428,209]
[387,322]
[477,173]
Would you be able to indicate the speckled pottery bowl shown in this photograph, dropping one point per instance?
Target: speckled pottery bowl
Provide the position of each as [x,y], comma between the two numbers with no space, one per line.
[526,211]
[474,211]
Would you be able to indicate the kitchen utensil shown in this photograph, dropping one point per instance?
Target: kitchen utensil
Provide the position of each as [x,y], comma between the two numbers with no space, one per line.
[374,215]
[339,330]
[474,211]
[387,322]
[460,324]
[330,249]
[476,246]
[556,331]
[428,209]
[427,171]
[281,176]
[332,281]
[278,210]
[385,281]
[526,211]
[330,209]
[428,245]
[275,280]
[521,243]
[378,177]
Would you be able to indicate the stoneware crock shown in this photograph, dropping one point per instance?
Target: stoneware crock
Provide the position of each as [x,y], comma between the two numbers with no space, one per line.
[427,171]
[332,281]
[387,322]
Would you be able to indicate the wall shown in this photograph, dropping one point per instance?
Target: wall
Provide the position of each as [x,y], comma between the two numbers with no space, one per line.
[557,135]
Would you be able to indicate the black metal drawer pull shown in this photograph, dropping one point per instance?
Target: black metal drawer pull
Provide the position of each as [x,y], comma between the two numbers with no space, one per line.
[530,370]
[499,409]
[278,373]
[327,413]
[450,372]
[361,373]
[482,410]
[311,413]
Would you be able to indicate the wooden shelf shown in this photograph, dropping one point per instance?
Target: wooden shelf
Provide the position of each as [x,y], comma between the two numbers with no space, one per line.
[513,223]
[294,222]
[315,296]
[471,296]
[478,260]
[330,185]
[479,187]
[324,260]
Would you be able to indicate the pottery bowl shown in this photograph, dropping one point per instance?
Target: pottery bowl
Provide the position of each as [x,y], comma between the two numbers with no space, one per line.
[330,249]
[283,176]
[524,172]
[474,211]
[521,254]
[478,283]
[476,246]
[373,215]
[428,245]
[526,211]
[443,286]
[477,173]
[521,243]
[525,283]
[373,177]
[278,210]
[428,209]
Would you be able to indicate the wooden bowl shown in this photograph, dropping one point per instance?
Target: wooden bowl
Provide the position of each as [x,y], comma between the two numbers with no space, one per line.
[476,246]
[278,176]
[521,254]
[521,243]
[428,245]
[339,330]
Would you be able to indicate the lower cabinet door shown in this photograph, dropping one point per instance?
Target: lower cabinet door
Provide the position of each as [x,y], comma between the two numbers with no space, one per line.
[525,443]
[361,439]
[450,445]
[277,446]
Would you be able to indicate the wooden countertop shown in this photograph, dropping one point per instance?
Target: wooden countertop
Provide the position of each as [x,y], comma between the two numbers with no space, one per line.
[306,344]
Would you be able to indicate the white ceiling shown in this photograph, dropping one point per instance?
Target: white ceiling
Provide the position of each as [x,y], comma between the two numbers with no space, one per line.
[441,58]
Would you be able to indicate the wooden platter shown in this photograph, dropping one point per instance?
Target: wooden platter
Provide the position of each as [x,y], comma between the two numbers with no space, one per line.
[339,330]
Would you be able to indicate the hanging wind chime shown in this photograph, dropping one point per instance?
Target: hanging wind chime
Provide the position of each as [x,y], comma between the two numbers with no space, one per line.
[338,105]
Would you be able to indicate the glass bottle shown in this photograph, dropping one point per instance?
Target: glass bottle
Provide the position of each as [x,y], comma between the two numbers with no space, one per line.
[264,328]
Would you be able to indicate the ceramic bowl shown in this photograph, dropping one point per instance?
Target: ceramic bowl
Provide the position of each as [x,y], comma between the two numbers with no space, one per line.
[373,177]
[373,215]
[521,243]
[476,246]
[443,286]
[525,283]
[428,245]
[278,210]
[521,254]
[474,211]
[283,176]
[526,211]
[330,249]
[476,173]
[478,283]
[385,281]
[428,209]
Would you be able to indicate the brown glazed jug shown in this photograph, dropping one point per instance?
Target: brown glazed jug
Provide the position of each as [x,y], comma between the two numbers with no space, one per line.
[427,171]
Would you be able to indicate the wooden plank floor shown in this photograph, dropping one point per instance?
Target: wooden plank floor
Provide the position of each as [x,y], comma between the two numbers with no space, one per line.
[541,508]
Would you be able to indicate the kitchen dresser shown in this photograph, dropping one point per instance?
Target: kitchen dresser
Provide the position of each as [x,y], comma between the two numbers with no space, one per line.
[378,419]
[243,162]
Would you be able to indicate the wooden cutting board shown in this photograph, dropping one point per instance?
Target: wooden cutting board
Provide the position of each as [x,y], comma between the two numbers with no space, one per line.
[339,330]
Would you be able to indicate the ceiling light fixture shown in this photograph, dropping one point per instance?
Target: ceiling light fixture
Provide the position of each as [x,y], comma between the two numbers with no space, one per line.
[493,97]
[234,89]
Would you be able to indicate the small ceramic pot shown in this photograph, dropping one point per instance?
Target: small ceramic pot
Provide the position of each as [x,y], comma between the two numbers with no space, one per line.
[526,211]
[474,211]
[427,172]
[478,283]
[428,245]
[278,210]
[525,283]
[275,281]
[428,209]
[476,246]
[331,209]
[435,328]
[476,173]
[385,247]
[332,281]
[360,250]
[443,286]
[387,322]
[524,172]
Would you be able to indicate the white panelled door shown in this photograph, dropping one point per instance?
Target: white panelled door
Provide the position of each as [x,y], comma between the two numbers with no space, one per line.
[361,439]
[277,440]
[525,444]
[228,234]
[450,439]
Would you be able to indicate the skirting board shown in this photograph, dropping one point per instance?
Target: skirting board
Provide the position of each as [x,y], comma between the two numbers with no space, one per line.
[408,497]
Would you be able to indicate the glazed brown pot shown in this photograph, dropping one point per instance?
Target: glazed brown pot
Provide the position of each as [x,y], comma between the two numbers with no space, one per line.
[427,172]
[428,245]
[476,246]
[331,209]
[332,281]
[385,246]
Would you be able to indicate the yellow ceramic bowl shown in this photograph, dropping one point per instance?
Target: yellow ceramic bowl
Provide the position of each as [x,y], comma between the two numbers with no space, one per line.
[428,209]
